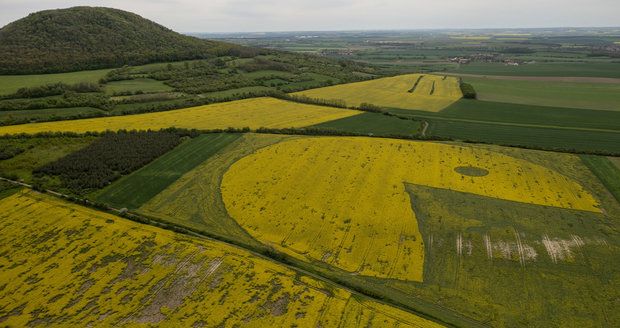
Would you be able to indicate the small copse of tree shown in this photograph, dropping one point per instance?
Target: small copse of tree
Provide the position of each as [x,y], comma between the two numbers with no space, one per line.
[468,91]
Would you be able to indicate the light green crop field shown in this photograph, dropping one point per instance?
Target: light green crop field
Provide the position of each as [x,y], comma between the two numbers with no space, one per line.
[605,96]
[11,83]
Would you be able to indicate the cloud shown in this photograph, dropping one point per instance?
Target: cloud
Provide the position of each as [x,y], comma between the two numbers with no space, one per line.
[282,15]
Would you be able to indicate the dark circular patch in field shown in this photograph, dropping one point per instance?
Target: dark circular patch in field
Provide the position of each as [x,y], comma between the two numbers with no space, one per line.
[471,171]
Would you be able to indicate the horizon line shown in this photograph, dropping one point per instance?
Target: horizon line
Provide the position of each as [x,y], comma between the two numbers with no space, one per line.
[407,29]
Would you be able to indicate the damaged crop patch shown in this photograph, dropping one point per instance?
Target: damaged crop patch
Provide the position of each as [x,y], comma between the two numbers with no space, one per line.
[123,273]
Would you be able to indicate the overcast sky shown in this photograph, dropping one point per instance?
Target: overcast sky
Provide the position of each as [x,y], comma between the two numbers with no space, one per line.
[306,15]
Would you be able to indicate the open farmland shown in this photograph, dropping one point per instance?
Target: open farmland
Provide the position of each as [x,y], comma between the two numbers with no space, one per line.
[411,91]
[289,194]
[559,69]
[604,96]
[465,223]
[412,178]
[543,116]
[116,272]
[253,113]
[529,136]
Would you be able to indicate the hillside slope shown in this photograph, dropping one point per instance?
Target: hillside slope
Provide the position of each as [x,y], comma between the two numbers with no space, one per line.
[82,38]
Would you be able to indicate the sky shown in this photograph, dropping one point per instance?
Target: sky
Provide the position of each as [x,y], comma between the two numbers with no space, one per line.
[330,15]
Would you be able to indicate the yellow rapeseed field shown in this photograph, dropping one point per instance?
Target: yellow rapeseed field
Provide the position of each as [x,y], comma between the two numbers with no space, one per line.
[343,200]
[253,113]
[394,92]
[65,265]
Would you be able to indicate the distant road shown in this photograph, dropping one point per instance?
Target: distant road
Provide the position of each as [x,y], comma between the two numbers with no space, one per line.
[540,78]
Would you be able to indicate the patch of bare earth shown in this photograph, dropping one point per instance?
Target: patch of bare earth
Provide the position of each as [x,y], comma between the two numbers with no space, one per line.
[279,306]
[172,290]
[562,249]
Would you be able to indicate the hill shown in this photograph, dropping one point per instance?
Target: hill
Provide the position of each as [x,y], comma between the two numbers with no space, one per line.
[84,38]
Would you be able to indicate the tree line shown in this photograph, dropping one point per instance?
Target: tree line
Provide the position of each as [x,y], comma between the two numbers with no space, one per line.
[69,99]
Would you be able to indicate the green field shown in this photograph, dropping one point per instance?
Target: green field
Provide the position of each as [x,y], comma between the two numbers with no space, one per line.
[373,123]
[494,256]
[566,129]
[525,125]
[527,136]
[570,69]
[468,109]
[606,170]
[135,85]
[604,96]
[137,188]
[11,83]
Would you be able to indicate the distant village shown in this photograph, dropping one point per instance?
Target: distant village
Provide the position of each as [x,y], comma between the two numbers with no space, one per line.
[486,58]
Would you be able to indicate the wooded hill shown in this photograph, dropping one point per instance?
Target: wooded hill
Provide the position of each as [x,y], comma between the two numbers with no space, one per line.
[83,38]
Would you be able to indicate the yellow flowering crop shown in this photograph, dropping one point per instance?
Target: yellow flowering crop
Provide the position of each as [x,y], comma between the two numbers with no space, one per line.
[343,200]
[65,265]
[394,92]
[253,113]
